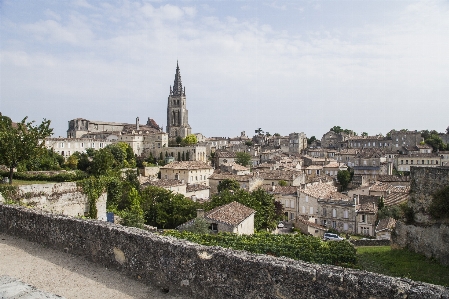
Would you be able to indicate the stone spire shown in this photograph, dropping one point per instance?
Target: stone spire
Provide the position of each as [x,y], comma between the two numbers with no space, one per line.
[177,85]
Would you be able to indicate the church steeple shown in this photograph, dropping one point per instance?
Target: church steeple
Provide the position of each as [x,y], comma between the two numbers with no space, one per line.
[177,85]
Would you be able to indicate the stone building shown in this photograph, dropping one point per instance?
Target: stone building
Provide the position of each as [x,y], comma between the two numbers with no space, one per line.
[232,218]
[334,140]
[177,114]
[297,142]
[191,172]
[337,211]
[68,146]
[248,182]
[287,196]
[366,214]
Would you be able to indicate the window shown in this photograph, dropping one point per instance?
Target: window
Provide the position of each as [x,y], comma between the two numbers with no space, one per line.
[363,218]
[345,214]
[411,162]
[311,211]
[82,145]
[307,198]
[292,203]
[303,209]
[406,161]
[214,227]
[334,224]
[345,226]
[422,161]
[402,161]
[324,212]
[334,213]
[287,204]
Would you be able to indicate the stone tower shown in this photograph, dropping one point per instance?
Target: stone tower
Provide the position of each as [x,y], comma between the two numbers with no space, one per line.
[177,114]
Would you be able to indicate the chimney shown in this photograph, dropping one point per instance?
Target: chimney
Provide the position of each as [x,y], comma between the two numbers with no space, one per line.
[199,213]
[137,123]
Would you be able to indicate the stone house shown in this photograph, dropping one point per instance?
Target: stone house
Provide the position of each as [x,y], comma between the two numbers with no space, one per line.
[384,228]
[297,142]
[308,197]
[310,228]
[232,218]
[224,157]
[404,162]
[444,155]
[404,138]
[287,196]
[314,170]
[68,146]
[337,211]
[273,177]
[366,214]
[334,140]
[248,182]
[197,192]
[369,142]
[347,156]
[333,168]
[315,161]
[190,153]
[192,172]
[234,168]
[176,186]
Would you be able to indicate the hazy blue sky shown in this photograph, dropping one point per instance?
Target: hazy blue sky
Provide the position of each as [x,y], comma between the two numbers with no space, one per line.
[283,66]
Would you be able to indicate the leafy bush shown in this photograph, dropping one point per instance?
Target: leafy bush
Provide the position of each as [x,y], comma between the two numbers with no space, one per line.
[298,246]
[439,208]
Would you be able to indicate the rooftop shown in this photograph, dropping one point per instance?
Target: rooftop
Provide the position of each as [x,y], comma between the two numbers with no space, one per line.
[232,213]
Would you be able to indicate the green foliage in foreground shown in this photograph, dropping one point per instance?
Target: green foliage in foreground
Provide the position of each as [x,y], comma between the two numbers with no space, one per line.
[298,246]
[402,263]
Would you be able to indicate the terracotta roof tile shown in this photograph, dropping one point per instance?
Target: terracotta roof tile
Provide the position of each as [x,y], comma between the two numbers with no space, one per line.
[232,213]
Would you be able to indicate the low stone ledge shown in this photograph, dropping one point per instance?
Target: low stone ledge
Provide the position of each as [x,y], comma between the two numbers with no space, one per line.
[198,271]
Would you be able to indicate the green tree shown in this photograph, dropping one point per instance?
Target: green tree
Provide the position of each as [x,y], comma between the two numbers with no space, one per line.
[93,187]
[102,162]
[72,162]
[47,160]
[259,131]
[282,183]
[344,177]
[21,142]
[364,134]
[190,140]
[310,140]
[248,143]
[133,216]
[178,140]
[164,209]
[243,158]
[199,226]
[228,184]
[439,207]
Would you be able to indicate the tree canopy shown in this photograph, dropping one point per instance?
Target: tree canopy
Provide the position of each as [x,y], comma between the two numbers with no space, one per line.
[243,158]
[228,184]
[344,177]
[190,140]
[338,129]
[21,142]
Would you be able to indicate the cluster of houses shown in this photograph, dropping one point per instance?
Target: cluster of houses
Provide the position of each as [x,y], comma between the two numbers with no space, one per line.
[301,176]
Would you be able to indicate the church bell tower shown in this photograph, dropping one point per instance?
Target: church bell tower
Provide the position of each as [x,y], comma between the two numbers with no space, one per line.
[177,114]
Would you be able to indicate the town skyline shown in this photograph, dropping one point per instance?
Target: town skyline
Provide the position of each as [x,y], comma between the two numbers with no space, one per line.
[369,67]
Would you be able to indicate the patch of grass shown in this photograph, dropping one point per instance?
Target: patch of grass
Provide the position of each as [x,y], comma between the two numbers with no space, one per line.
[402,263]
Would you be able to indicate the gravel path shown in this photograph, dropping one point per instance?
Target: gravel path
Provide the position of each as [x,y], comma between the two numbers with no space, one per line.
[67,275]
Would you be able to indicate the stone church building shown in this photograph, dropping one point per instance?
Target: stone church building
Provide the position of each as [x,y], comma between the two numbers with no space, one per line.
[177,114]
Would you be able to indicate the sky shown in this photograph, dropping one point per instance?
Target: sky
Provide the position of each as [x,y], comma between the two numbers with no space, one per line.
[282,66]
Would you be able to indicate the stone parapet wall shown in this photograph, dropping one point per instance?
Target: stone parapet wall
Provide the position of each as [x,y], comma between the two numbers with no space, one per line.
[181,267]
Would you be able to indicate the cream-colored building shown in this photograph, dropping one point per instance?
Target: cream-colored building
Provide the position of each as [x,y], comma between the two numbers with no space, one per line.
[287,196]
[68,146]
[191,172]
[366,214]
[307,206]
[337,211]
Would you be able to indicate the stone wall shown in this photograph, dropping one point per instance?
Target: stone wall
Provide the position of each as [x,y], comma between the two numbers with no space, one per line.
[60,198]
[426,235]
[181,267]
